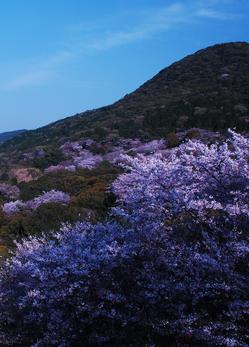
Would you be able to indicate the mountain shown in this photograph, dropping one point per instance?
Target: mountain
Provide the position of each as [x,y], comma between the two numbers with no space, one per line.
[159,254]
[208,89]
[78,155]
[10,134]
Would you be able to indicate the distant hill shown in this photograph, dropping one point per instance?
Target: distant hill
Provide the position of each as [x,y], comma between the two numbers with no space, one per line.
[10,134]
[208,89]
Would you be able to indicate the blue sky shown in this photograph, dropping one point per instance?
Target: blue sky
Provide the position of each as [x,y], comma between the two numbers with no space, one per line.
[60,57]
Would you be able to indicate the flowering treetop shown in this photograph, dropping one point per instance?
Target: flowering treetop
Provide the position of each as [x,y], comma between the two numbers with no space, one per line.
[53,196]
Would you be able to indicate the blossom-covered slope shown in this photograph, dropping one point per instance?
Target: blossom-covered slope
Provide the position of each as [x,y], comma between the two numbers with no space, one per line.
[77,187]
[168,268]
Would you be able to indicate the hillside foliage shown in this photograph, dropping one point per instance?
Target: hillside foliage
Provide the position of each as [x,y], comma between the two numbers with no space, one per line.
[170,267]
[208,89]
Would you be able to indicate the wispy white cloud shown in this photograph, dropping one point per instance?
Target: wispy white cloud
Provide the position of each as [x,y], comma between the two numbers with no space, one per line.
[28,78]
[160,20]
[156,20]
[38,73]
[150,22]
[212,14]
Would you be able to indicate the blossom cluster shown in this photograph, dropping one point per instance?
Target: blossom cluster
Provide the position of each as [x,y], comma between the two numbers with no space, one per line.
[53,196]
[194,178]
[172,268]
[60,167]
[80,155]
[38,153]
[9,191]
[129,146]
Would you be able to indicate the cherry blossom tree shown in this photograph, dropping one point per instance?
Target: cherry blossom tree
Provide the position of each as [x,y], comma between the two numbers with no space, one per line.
[194,180]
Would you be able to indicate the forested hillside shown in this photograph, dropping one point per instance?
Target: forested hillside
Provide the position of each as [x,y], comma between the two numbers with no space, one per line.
[9,135]
[199,97]
[208,89]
